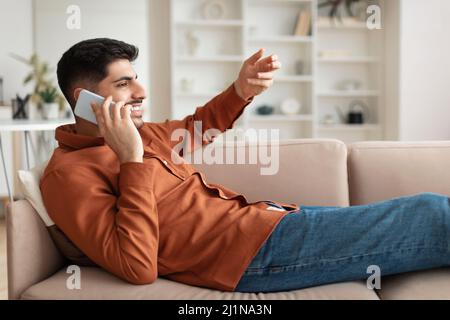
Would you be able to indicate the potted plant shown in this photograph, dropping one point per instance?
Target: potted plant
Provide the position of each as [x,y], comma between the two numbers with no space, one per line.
[44,95]
[49,103]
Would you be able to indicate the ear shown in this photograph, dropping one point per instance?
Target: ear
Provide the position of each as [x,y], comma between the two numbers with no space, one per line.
[76,93]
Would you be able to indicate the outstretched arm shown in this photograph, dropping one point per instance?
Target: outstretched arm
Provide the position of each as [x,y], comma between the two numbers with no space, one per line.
[255,76]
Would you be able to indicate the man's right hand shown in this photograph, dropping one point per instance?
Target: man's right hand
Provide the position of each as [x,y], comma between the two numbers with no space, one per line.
[119,131]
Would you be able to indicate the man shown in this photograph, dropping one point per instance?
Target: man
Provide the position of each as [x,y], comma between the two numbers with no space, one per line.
[117,194]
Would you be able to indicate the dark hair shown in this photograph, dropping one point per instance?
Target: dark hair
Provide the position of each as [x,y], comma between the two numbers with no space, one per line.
[87,62]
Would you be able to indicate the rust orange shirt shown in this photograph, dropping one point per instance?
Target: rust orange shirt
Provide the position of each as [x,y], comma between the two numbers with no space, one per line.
[160,217]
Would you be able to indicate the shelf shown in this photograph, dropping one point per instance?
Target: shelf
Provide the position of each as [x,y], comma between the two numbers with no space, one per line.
[293,78]
[281,117]
[361,27]
[253,2]
[210,23]
[361,59]
[283,39]
[218,58]
[349,127]
[326,24]
[196,94]
[342,93]
[32,124]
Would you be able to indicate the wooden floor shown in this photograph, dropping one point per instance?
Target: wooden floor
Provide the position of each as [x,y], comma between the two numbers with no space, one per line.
[3,281]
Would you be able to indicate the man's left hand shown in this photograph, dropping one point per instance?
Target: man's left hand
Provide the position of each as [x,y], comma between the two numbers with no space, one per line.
[256,75]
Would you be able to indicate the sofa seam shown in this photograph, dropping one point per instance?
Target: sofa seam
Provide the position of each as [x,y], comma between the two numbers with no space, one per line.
[345,258]
[399,147]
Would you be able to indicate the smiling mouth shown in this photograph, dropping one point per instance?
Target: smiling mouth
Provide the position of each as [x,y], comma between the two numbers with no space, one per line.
[136,111]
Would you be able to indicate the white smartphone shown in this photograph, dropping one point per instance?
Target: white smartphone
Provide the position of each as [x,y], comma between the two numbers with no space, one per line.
[83,107]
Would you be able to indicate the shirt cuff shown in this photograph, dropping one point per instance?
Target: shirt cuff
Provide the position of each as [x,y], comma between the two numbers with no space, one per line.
[232,106]
[237,98]
[135,174]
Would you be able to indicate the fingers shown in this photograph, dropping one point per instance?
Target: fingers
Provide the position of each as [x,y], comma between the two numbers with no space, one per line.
[260,82]
[268,66]
[256,56]
[264,75]
[116,112]
[99,116]
[105,112]
[269,59]
[127,112]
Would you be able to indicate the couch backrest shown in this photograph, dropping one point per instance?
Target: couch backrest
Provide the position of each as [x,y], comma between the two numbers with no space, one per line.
[383,170]
[311,172]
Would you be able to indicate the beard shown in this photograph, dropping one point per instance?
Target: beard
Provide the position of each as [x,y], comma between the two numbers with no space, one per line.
[137,119]
[138,122]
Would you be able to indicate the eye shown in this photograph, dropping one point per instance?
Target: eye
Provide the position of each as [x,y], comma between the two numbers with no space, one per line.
[122,84]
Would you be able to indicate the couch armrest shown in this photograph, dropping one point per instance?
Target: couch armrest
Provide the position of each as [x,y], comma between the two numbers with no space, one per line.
[386,169]
[31,254]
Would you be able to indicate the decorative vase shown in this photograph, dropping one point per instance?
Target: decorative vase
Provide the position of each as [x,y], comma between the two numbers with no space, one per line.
[290,106]
[193,43]
[50,110]
[264,110]
[214,9]
[20,107]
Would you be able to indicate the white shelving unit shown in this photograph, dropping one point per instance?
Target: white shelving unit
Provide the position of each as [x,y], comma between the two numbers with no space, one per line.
[348,93]
[361,59]
[224,43]
[214,23]
[277,118]
[348,51]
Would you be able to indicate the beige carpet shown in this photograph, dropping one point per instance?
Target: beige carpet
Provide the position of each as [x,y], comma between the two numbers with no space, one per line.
[3,281]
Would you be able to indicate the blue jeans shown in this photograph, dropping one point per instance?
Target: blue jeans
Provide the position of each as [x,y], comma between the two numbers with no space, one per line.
[320,245]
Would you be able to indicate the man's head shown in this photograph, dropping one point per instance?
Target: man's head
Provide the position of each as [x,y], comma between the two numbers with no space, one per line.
[102,66]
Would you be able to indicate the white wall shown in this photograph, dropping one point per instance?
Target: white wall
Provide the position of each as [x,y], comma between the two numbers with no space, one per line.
[391,24]
[15,37]
[159,13]
[122,20]
[424,70]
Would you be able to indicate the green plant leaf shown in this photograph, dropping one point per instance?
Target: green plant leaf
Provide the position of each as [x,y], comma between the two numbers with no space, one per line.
[19,58]
[28,78]
[34,60]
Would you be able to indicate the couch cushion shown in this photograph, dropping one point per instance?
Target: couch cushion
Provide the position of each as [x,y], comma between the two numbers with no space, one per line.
[383,170]
[97,284]
[29,184]
[421,285]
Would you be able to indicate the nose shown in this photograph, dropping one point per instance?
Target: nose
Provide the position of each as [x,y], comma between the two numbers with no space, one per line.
[139,92]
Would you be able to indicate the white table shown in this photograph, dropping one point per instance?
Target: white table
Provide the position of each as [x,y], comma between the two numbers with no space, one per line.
[26,126]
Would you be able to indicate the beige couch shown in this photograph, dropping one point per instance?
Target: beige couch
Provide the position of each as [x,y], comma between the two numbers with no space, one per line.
[312,172]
